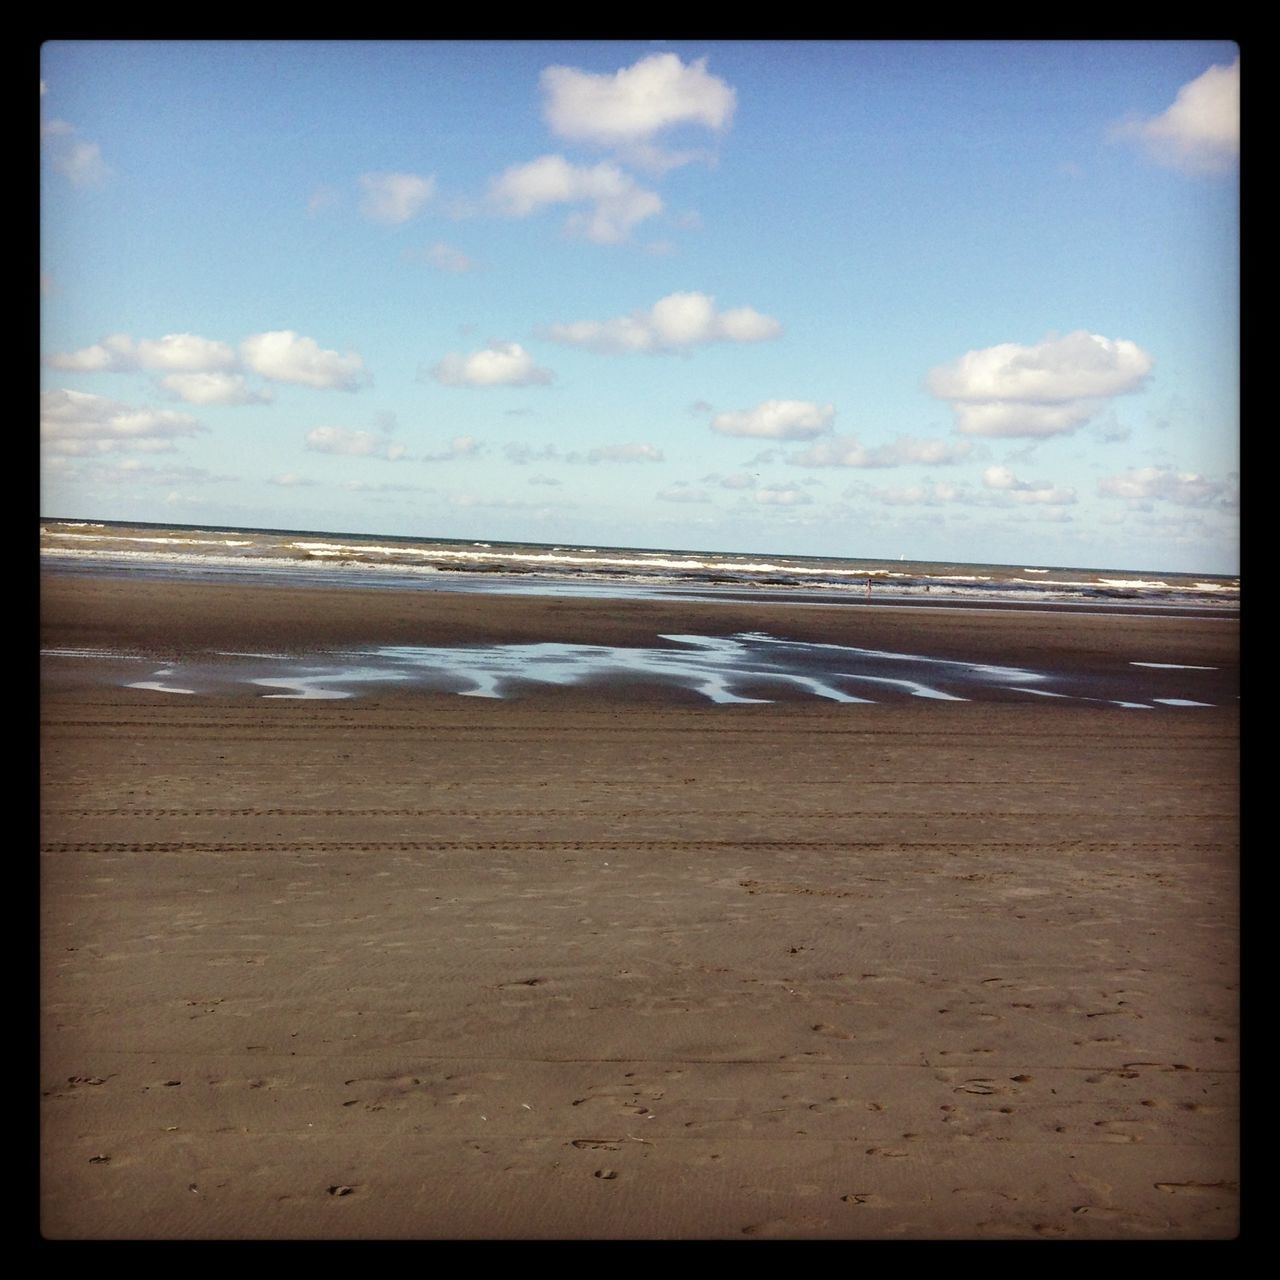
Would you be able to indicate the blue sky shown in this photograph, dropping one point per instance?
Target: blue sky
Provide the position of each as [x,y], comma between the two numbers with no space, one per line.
[970,301]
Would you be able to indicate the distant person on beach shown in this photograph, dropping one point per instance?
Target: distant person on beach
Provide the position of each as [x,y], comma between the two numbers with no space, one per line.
[868,586]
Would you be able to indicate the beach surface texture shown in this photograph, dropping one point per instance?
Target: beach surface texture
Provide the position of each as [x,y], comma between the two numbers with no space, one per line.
[951,955]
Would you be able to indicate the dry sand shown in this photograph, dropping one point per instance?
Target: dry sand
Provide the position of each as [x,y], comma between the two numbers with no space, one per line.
[615,963]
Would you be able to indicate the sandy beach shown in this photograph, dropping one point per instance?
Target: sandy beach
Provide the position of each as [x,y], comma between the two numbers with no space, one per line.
[610,961]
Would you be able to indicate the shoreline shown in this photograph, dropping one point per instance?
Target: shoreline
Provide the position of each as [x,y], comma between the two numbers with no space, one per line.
[590,585]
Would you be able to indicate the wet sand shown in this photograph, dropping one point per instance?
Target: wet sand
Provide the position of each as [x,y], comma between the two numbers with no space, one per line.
[613,962]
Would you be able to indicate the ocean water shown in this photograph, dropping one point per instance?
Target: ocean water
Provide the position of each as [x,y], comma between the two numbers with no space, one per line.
[303,556]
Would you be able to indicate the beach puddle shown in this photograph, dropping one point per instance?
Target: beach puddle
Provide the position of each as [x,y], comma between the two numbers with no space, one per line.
[745,668]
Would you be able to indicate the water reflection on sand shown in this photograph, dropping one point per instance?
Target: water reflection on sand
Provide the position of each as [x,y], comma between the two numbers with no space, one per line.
[749,667]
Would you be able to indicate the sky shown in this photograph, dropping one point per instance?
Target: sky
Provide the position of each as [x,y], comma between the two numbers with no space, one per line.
[968,301]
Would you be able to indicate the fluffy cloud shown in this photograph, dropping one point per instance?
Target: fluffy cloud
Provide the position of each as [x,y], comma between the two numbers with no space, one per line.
[353,444]
[500,364]
[184,353]
[394,198]
[73,422]
[1164,484]
[1200,132]
[213,388]
[1023,491]
[283,356]
[1045,390]
[102,356]
[200,370]
[778,420]
[674,323]
[292,480]
[616,202]
[629,109]
[847,451]
[174,353]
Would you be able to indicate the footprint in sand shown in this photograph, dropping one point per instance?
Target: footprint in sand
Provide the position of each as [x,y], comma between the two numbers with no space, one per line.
[826,1029]
[777,1228]
[1113,1132]
[1197,1188]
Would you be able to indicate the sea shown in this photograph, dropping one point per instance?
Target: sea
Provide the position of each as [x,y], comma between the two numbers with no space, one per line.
[369,560]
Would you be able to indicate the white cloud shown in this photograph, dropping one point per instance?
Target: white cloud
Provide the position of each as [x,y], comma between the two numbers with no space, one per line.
[1003,480]
[292,480]
[1164,484]
[617,203]
[213,388]
[283,356]
[627,110]
[500,364]
[778,420]
[847,451]
[921,495]
[1200,132]
[781,496]
[674,323]
[354,444]
[184,353]
[175,353]
[1049,389]
[96,358]
[682,491]
[198,369]
[73,422]
[999,478]
[394,198]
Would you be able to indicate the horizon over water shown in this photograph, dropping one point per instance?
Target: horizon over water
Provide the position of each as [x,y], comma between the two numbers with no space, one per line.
[360,559]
